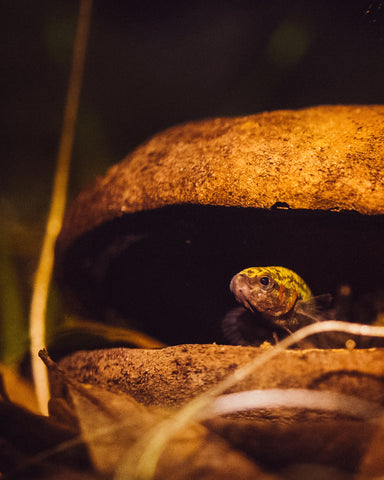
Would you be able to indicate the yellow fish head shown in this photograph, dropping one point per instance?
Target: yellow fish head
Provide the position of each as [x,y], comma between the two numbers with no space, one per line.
[270,290]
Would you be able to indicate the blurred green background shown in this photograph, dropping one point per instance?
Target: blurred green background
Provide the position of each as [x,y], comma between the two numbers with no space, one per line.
[152,64]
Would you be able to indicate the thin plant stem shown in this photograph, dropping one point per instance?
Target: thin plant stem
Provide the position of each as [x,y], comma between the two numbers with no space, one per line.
[55,217]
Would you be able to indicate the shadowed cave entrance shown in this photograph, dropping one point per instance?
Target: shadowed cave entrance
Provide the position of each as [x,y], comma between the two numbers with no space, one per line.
[167,271]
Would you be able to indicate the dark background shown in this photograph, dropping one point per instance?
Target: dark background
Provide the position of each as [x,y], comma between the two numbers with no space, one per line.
[152,64]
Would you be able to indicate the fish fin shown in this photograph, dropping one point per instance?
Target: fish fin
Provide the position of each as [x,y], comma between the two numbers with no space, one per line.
[242,327]
[316,308]
[232,323]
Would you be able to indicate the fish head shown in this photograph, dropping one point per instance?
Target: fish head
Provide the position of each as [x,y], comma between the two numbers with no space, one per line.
[256,288]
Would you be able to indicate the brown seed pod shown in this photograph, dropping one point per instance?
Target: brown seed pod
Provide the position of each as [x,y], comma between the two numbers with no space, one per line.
[161,234]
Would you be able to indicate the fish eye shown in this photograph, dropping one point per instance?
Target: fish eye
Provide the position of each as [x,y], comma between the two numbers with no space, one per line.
[266,282]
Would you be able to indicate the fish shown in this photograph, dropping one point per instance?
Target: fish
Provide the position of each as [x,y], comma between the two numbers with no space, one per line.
[273,291]
[273,300]
[276,301]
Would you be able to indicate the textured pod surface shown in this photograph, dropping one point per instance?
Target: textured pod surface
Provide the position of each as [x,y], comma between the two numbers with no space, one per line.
[320,158]
[160,236]
[171,376]
[274,438]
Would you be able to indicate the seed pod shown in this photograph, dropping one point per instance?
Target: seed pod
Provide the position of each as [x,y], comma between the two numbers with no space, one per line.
[159,237]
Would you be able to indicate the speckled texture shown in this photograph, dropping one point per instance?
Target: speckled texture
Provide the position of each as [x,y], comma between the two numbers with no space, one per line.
[173,375]
[274,439]
[322,158]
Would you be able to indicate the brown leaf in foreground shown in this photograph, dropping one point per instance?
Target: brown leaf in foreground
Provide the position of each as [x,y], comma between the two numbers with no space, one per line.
[114,425]
[273,438]
[111,424]
[30,446]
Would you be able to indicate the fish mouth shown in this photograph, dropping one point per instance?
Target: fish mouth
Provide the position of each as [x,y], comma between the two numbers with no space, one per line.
[240,288]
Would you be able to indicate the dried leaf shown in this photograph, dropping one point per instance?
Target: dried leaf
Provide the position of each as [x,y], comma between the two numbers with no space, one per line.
[115,427]
[274,437]
[25,438]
